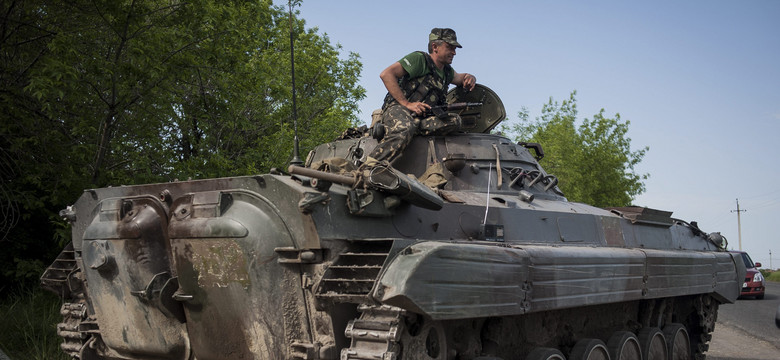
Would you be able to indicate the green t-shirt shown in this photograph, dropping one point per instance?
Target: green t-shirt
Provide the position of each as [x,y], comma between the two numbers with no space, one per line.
[416,66]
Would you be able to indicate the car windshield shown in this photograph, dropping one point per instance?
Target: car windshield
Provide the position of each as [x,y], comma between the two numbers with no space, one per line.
[748,261]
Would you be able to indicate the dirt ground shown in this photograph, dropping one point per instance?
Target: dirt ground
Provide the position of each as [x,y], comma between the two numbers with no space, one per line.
[730,343]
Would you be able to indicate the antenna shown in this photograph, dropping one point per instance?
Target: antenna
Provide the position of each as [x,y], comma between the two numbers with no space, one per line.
[739,224]
[296,160]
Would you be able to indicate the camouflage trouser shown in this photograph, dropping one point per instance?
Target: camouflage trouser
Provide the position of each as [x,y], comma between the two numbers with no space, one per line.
[401,126]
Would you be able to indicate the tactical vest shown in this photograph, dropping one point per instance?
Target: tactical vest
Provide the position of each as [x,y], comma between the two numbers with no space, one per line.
[430,88]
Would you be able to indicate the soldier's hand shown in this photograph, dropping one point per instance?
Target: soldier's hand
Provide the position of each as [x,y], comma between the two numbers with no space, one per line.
[418,107]
[469,81]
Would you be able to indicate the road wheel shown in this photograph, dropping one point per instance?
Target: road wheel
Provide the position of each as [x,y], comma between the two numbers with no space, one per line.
[653,344]
[624,345]
[589,349]
[426,339]
[677,342]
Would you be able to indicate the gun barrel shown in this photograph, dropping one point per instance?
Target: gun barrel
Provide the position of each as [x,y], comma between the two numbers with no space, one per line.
[463,105]
[441,110]
[335,178]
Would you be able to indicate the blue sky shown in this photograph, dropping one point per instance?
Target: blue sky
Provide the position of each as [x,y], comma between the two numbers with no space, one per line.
[699,81]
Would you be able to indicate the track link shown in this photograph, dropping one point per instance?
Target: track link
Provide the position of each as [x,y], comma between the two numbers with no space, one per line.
[375,335]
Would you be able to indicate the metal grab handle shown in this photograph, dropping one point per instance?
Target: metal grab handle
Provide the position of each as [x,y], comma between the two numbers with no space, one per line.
[182,297]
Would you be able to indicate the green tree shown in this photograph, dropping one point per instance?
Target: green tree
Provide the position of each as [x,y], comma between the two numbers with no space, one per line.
[594,162]
[103,92]
[33,163]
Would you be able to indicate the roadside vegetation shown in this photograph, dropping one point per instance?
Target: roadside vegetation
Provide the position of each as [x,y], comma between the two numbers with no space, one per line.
[770,275]
[29,330]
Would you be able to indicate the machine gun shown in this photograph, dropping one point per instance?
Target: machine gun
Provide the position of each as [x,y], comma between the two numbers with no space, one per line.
[441,110]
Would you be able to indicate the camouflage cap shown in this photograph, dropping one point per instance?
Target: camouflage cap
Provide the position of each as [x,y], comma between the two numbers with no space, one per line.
[446,34]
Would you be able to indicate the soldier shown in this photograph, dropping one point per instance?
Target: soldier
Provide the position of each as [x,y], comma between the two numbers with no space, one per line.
[414,84]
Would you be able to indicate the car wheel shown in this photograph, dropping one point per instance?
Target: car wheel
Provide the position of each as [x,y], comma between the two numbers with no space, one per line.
[760,297]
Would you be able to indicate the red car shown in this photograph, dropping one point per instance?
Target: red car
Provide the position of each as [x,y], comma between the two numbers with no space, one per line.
[754,284]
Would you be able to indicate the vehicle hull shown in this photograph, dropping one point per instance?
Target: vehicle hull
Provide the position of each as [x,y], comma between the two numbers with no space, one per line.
[287,266]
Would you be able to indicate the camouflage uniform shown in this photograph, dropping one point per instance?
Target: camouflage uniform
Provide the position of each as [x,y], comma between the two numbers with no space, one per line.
[401,124]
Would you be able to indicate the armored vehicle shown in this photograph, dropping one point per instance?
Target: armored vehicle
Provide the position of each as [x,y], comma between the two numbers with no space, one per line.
[464,248]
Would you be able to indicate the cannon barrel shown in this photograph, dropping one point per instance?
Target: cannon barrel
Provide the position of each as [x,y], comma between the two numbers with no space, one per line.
[336,178]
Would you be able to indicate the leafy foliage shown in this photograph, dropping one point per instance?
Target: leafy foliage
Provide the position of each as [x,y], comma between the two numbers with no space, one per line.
[103,92]
[594,162]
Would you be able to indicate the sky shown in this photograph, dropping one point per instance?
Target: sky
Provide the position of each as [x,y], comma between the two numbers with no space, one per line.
[698,80]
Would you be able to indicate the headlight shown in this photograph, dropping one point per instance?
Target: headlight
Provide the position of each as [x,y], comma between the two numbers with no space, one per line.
[758,278]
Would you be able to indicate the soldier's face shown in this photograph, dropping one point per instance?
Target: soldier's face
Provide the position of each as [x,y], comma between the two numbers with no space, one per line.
[445,53]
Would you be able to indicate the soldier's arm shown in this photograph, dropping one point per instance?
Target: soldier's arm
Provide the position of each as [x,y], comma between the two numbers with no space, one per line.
[390,77]
[464,79]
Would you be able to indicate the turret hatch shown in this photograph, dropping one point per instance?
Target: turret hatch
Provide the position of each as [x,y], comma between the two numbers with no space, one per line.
[480,119]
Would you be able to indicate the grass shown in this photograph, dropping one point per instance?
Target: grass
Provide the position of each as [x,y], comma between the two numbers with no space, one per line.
[774,276]
[28,325]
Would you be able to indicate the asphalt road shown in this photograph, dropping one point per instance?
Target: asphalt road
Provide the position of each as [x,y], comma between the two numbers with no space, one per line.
[746,329]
